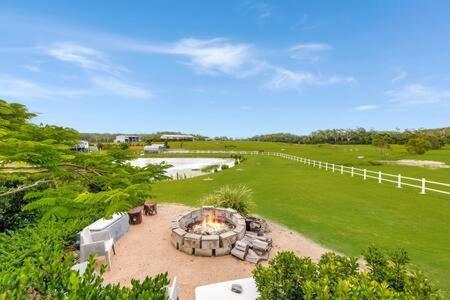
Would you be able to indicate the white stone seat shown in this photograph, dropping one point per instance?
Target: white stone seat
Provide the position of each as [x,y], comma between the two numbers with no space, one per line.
[100,243]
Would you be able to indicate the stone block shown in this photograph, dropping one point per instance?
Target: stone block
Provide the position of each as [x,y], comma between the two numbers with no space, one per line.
[203,252]
[238,253]
[252,257]
[229,212]
[223,251]
[192,240]
[242,246]
[185,221]
[228,238]
[260,245]
[174,225]
[221,213]
[177,237]
[210,241]
[197,215]
[187,249]
[240,231]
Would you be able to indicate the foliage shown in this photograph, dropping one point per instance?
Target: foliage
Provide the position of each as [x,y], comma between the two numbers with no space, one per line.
[337,277]
[418,145]
[235,197]
[34,264]
[224,167]
[42,176]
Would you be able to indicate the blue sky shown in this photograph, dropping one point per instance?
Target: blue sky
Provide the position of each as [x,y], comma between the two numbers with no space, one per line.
[235,68]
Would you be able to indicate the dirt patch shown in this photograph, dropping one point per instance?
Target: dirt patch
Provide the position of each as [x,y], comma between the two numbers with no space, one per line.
[418,163]
[146,251]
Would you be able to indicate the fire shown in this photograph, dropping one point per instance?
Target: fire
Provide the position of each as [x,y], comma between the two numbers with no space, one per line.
[209,224]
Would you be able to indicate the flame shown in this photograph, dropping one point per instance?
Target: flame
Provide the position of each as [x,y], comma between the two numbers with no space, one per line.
[210,223]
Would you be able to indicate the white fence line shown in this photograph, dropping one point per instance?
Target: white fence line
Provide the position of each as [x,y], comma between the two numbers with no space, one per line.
[398,179]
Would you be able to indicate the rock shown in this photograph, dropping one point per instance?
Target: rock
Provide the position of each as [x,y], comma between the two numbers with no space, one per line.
[236,288]
[260,245]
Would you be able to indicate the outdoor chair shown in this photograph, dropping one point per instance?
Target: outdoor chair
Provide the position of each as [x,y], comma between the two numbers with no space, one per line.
[100,243]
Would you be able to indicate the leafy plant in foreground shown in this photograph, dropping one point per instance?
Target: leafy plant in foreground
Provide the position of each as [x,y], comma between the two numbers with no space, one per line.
[236,197]
[337,277]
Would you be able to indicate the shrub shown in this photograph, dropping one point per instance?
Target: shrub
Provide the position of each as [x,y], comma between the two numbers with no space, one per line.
[237,197]
[35,264]
[418,145]
[224,167]
[337,277]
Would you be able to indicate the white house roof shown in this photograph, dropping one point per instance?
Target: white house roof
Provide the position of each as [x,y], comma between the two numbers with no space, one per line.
[176,136]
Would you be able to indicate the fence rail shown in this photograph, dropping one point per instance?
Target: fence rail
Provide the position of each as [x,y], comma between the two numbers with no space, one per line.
[399,180]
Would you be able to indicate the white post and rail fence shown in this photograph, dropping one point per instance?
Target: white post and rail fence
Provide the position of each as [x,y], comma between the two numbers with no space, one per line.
[399,180]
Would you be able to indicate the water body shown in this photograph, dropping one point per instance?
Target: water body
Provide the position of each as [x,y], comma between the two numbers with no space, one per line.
[184,167]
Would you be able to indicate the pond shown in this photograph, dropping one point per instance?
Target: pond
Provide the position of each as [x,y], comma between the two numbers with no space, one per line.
[186,167]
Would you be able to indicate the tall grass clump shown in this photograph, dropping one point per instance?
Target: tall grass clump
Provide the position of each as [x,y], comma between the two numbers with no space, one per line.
[235,197]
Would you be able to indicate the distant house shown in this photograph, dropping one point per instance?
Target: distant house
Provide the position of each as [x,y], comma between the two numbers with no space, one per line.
[155,148]
[127,139]
[177,137]
[82,146]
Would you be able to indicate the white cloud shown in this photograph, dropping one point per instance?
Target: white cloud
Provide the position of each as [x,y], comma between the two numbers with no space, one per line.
[287,79]
[32,68]
[210,56]
[399,74]
[365,107]
[117,87]
[308,52]
[21,89]
[414,94]
[84,57]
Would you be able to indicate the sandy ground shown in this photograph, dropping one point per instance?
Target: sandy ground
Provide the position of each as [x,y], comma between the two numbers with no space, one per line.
[146,251]
[419,163]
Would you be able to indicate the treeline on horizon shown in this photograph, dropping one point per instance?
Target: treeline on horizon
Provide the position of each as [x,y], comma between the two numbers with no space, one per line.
[327,136]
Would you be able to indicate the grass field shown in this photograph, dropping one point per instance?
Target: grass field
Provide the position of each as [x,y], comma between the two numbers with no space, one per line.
[343,213]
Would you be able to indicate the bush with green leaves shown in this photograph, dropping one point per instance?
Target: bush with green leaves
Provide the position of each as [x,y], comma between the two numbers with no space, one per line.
[338,277]
[35,263]
[418,145]
[235,197]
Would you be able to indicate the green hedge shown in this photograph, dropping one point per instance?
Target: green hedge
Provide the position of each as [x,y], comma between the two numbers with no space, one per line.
[337,277]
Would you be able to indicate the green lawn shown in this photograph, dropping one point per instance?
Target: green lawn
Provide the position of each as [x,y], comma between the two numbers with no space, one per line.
[346,214]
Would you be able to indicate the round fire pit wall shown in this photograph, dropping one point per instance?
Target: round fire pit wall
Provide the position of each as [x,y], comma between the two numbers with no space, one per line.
[207,244]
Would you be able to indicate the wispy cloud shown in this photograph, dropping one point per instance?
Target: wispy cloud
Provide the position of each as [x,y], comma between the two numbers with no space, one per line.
[399,75]
[308,52]
[118,87]
[288,79]
[210,56]
[365,107]
[19,89]
[32,68]
[260,9]
[415,94]
[85,57]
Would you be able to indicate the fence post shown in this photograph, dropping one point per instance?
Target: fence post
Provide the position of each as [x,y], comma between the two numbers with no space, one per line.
[342,169]
[353,171]
[314,163]
[332,167]
[379,176]
[423,186]
[365,174]
[326,166]
[320,165]
[399,182]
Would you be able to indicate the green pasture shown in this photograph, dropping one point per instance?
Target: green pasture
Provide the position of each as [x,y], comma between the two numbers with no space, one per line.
[344,213]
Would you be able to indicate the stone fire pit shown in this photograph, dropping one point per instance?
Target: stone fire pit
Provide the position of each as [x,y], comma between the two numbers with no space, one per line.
[208,231]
